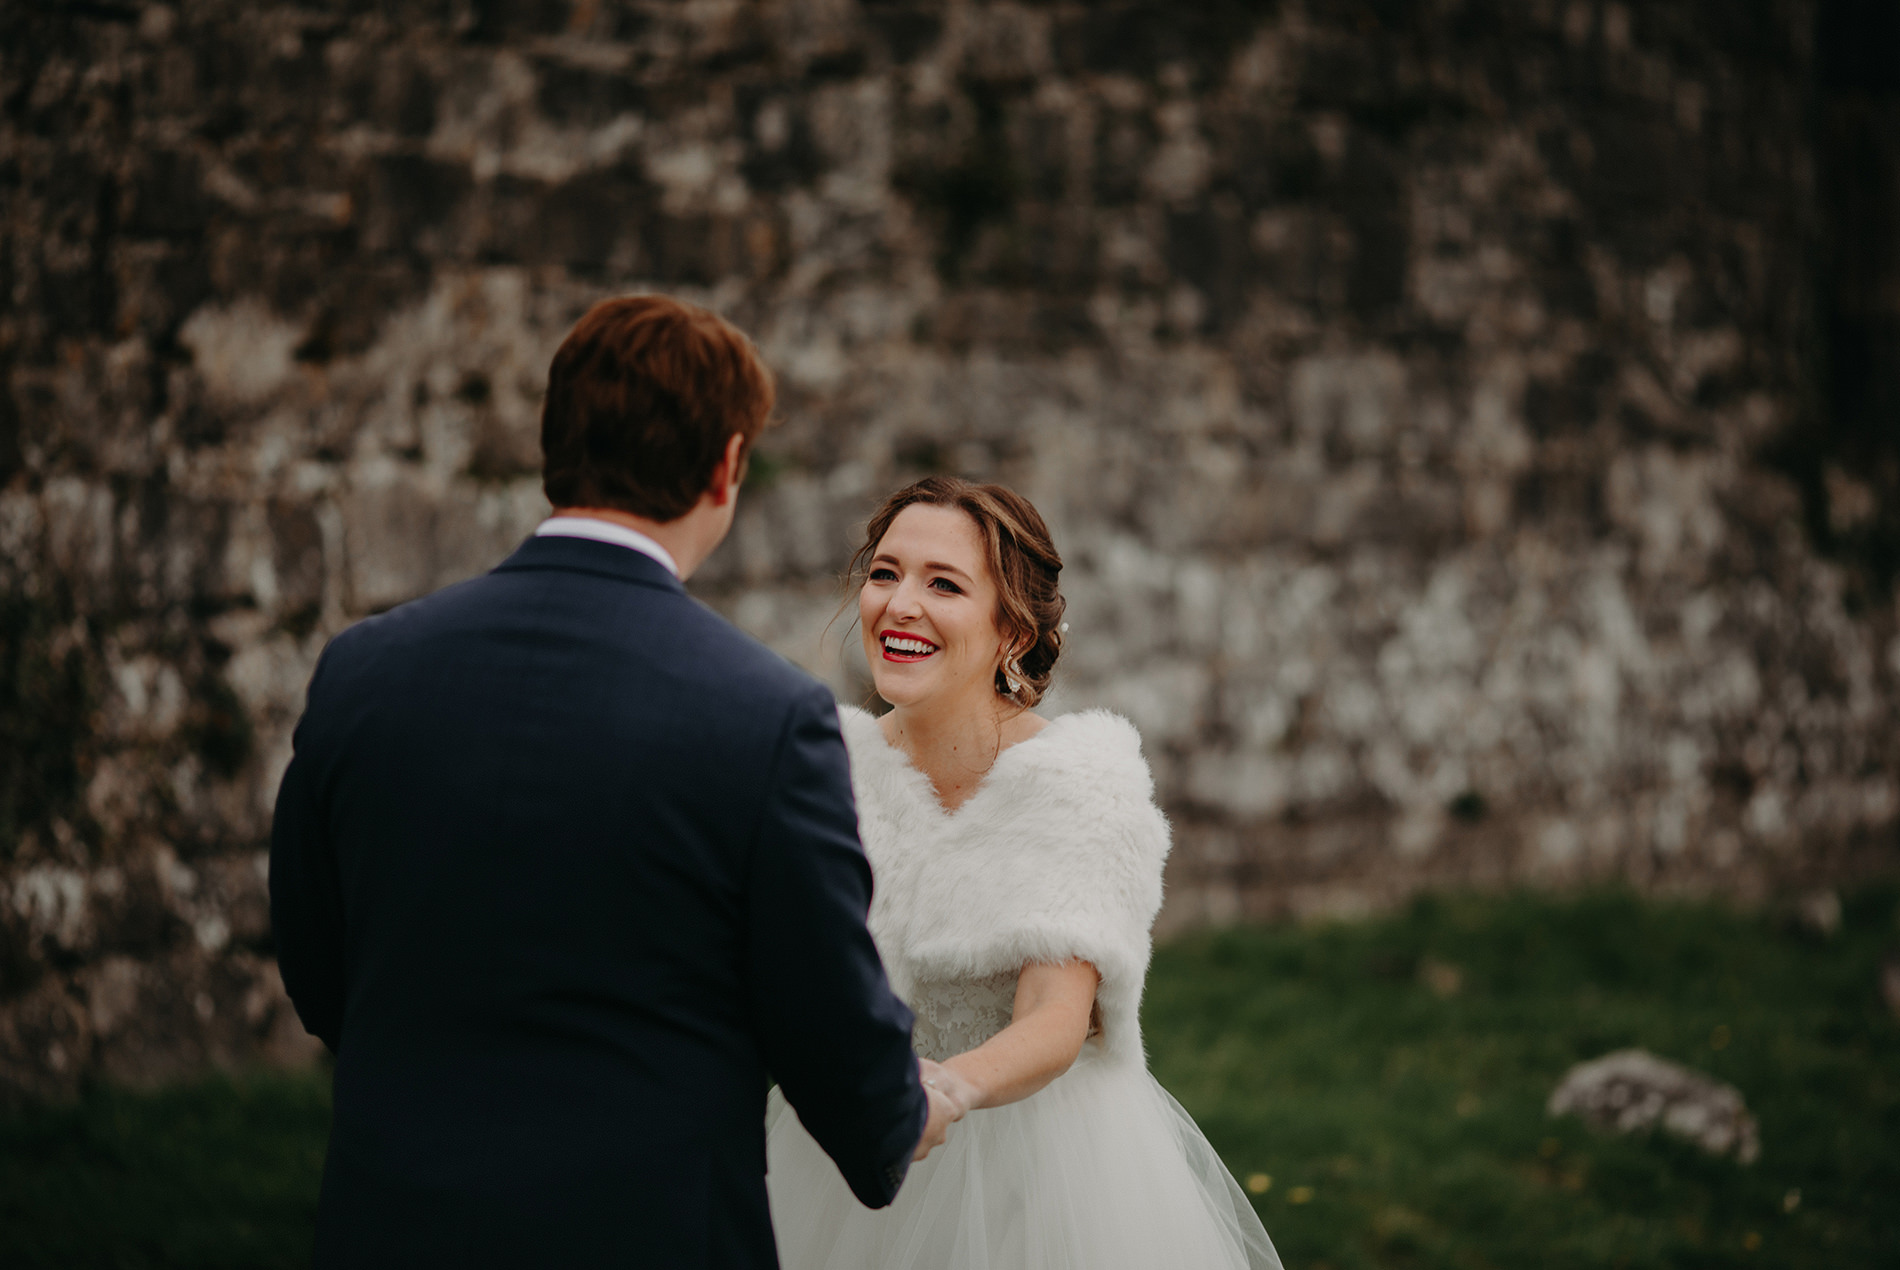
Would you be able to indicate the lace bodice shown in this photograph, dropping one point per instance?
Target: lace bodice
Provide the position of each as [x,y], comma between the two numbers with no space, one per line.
[955,1015]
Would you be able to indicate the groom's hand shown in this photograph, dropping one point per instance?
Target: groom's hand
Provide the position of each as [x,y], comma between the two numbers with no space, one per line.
[944,1110]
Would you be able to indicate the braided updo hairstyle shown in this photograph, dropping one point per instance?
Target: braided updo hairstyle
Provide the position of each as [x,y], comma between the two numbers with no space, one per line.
[1022,560]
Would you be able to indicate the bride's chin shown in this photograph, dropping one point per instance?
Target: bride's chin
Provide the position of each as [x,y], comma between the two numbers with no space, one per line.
[907,685]
[895,694]
[935,696]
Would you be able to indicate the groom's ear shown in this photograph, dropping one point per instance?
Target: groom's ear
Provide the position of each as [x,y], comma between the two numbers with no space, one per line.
[730,471]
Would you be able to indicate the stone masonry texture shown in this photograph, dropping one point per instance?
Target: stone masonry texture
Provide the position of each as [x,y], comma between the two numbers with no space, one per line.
[1404,384]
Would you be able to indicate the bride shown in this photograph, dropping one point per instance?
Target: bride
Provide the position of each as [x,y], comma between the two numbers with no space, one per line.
[1018,868]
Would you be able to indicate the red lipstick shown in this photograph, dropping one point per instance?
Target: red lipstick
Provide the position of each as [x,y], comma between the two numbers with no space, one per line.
[917,648]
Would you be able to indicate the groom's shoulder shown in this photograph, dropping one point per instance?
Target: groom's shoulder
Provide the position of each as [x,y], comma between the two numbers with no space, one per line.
[412,619]
[729,662]
[661,634]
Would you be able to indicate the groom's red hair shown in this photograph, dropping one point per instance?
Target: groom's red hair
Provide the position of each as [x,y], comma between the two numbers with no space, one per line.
[643,396]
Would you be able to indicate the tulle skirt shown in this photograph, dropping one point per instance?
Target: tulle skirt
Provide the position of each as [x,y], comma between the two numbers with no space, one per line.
[1101,1170]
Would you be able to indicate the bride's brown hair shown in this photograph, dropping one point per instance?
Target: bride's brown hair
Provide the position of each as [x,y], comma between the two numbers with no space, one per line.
[1022,560]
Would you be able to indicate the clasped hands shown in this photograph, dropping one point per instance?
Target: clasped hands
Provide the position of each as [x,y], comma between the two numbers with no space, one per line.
[951,1097]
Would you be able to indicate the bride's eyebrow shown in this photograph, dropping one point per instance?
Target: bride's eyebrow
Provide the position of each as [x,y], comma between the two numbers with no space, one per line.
[930,566]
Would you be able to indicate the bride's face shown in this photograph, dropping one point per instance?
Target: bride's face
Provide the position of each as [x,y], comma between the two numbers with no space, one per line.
[928,611]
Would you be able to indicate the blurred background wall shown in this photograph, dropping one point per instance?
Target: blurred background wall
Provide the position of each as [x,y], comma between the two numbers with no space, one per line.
[1471,426]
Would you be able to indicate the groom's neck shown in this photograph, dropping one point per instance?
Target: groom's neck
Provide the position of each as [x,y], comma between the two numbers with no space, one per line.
[688,539]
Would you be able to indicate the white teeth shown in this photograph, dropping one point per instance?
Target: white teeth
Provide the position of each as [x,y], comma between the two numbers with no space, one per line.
[897,644]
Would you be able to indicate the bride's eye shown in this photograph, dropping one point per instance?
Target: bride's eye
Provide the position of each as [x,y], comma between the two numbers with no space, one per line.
[881,575]
[947,585]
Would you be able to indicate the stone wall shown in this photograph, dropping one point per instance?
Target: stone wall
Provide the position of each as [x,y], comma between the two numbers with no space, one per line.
[1403,383]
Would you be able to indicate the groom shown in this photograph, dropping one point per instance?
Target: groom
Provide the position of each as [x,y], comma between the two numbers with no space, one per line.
[565,867]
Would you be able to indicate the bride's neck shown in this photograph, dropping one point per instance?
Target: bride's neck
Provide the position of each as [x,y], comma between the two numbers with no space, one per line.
[954,745]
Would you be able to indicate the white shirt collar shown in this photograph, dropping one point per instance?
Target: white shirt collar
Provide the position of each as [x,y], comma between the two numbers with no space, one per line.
[607,531]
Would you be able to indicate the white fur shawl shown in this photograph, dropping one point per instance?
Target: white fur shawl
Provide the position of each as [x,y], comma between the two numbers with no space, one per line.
[1057,855]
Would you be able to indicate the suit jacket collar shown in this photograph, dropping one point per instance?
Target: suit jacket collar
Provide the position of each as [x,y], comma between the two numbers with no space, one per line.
[587,555]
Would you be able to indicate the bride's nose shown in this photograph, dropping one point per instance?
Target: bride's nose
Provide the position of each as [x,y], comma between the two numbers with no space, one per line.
[906,603]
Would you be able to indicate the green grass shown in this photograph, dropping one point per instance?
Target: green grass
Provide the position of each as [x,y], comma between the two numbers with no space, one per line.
[1401,1127]
[220,1173]
[1406,1128]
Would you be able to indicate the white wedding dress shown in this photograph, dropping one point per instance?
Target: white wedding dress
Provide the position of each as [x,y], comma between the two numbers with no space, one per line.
[1057,855]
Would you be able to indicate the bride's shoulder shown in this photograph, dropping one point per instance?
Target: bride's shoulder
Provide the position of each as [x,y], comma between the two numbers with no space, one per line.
[1079,810]
[1093,747]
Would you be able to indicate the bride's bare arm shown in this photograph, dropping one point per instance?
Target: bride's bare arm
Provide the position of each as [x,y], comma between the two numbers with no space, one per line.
[1050,1022]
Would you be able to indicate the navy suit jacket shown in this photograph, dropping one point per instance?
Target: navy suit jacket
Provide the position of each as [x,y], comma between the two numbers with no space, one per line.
[563,867]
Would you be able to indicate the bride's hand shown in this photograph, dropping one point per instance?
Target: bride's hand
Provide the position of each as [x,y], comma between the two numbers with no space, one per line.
[944,1109]
[952,1084]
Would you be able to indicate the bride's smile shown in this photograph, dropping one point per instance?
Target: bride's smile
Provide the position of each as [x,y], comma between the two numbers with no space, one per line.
[901,647]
